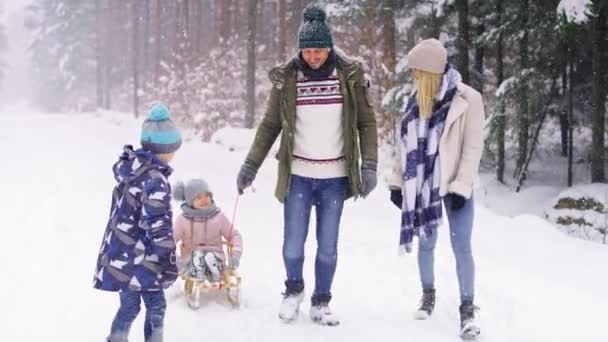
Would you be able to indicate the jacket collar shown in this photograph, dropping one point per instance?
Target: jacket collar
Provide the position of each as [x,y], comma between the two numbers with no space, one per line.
[459,106]
[345,65]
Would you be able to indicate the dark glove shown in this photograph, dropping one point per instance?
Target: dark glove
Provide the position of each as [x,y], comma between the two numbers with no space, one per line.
[245,177]
[457,201]
[169,273]
[369,180]
[397,198]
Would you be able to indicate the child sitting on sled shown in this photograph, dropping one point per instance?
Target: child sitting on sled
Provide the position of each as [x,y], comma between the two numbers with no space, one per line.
[200,228]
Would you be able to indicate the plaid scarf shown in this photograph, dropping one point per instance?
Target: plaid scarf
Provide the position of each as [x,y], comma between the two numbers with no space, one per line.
[421,207]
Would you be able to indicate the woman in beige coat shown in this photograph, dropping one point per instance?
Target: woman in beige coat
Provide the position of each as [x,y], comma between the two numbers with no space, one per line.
[440,149]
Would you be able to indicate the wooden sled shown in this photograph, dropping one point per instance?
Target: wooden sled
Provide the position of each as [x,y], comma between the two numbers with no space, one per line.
[230,281]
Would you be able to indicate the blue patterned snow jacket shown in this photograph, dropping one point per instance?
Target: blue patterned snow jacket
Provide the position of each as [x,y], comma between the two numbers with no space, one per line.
[138,251]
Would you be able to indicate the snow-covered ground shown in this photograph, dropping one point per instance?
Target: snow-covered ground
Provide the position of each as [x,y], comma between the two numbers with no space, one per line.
[533,282]
[547,182]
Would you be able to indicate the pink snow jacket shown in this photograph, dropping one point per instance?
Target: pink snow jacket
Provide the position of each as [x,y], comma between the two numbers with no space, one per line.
[206,235]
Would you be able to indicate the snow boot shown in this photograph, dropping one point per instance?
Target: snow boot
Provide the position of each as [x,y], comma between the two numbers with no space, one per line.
[469,329]
[427,305]
[117,338]
[197,268]
[214,266]
[321,314]
[290,306]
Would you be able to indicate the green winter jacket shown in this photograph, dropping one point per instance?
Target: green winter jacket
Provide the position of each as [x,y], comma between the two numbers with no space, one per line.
[360,131]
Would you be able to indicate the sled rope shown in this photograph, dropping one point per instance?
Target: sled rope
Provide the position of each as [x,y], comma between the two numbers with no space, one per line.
[236,204]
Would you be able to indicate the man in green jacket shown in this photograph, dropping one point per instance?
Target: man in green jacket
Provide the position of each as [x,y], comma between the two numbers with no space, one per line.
[319,103]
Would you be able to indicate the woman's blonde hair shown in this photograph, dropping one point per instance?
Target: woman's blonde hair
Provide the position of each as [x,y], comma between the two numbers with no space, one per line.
[427,84]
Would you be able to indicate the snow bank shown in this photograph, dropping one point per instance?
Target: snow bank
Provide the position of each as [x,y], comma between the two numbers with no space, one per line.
[582,211]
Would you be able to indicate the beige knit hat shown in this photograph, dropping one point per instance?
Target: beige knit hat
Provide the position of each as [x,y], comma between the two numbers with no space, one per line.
[428,55]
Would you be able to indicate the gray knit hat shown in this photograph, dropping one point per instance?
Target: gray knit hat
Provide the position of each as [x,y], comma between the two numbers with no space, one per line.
[428,55]
[159,134]
[314,32]
[187,192]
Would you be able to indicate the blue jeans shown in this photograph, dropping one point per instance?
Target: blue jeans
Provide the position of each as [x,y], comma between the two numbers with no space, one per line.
[327,195]
[129,309]
[461,227]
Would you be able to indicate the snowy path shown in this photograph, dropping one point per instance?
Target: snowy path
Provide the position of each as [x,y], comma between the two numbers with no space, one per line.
[534,284]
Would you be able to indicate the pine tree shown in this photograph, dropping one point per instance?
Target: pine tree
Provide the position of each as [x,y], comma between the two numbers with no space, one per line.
[3,46]
[251,59]
[463,40]
[600,35]
[63,53]
[136,19]
[282,31]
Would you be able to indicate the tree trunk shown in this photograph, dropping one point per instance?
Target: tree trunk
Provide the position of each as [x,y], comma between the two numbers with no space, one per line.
[199,26]
[369,41]
[186,27]
[251,45]
[225,20]
[158,42]
[217,21]
[109,56]
[522,115]
[571,113]
[282,48]
[389,60]
[501,119]
[598,172]
[463,42]
[177,36]
[146,39]
[98,53]
[208,30]
[238,14]
[563,117]
[435,29]
[293,21]
[269,37]
[479,55]
[298,8]
[389,48]
[260,22]
[135,28]
[523,175]
[563,126]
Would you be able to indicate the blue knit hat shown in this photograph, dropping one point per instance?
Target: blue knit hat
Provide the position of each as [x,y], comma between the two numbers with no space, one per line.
[313,32]
[159,134]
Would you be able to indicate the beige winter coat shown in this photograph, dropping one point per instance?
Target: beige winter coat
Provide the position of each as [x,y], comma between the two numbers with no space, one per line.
[460,145]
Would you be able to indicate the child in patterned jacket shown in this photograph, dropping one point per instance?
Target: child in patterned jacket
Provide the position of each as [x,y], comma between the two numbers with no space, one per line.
[137,255]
